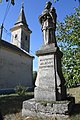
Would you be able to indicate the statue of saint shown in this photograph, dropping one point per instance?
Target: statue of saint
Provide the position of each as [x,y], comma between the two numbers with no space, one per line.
[48,23]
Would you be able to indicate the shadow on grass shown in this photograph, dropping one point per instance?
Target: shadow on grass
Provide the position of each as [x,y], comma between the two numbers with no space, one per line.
[76,109]
[75,115]
[12,104]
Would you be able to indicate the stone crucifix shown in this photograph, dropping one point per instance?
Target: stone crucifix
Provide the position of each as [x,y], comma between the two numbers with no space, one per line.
[48,23]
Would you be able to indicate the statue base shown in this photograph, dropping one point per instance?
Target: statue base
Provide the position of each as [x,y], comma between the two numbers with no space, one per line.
[50,81]
[45,109]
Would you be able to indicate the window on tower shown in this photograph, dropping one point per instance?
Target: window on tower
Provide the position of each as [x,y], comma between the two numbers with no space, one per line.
[16,36]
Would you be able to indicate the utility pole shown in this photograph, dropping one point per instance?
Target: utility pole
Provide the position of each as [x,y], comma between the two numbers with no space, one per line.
[8,6]
[1,31]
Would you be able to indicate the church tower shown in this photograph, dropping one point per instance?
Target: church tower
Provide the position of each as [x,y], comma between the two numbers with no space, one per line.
[21,32]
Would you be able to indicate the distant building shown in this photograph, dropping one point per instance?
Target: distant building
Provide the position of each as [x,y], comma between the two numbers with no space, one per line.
[16,64]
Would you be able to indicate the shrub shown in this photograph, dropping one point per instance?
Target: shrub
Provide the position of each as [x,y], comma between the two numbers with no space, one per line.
[21,90]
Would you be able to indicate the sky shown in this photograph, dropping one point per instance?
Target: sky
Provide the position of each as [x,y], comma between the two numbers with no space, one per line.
[32,9]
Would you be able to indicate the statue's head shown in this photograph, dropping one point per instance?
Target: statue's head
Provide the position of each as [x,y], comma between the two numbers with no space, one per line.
[48,5]
[52,10]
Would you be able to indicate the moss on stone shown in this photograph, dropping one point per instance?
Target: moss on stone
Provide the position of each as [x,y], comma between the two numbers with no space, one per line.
[52,102]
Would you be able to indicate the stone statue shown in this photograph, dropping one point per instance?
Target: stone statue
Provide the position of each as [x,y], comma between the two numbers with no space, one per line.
[48,23]
[50,86]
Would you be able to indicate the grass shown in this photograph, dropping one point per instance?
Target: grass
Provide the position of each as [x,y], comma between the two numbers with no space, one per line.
[75,92]
[76,110]
[11,105]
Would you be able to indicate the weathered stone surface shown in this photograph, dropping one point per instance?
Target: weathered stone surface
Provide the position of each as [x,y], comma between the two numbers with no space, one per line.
[47,94]
[33,108]
[45,71]
[29,104]
[50,81]
[47,49]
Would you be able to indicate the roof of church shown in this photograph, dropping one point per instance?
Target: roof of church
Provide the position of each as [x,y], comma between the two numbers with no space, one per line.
[21,21]
[21,17]
[13,47]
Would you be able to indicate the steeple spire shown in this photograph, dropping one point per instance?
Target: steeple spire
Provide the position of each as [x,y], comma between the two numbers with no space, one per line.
[23,4]
[21,17]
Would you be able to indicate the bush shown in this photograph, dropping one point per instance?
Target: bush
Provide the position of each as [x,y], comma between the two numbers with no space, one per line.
[21,90]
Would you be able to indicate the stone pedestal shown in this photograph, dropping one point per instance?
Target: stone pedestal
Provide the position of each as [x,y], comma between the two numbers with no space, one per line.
[50,81]
[43,109]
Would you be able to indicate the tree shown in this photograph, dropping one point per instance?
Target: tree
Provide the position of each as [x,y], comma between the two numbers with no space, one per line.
[68,36]
[59,0]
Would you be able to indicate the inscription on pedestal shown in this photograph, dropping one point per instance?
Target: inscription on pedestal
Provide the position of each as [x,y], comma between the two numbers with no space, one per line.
[46,63]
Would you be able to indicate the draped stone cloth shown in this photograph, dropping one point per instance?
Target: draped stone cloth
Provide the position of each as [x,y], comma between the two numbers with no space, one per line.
[48,23]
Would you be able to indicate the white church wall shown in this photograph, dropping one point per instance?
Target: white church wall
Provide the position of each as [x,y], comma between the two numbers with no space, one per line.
[25,40]
[15,68]
[16,38]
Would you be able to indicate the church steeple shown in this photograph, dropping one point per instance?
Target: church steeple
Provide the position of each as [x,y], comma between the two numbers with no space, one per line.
[21,17]
[21,32]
